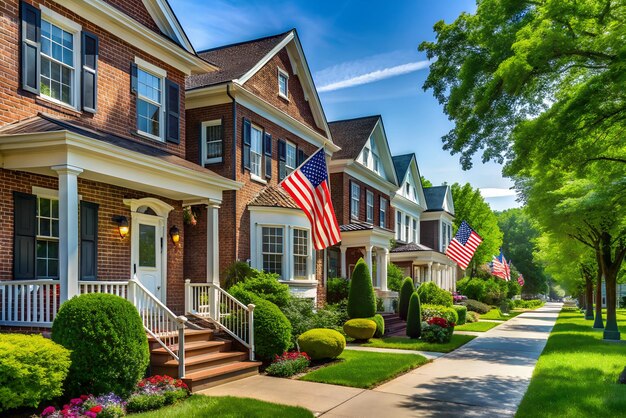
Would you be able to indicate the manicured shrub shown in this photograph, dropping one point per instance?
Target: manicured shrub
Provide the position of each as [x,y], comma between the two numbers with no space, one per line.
[395,277]
[322,343]
[361,298]
[461,312]
[437,330]
[432,311]
[360,328]
[144,402]
[299,312]
[406,291]
[380,325]
[430,293]
[32,370]
[472,317]
[528,304]
[414,318]
[472,288]
[266,286]
[476,306]
[288,364]
[108,343]
[337,289]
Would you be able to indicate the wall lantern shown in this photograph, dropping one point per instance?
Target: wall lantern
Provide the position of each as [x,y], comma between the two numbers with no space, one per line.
[122,225]
[174,234]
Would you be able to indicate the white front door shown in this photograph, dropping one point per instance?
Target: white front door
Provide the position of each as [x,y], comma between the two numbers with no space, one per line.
[148,252]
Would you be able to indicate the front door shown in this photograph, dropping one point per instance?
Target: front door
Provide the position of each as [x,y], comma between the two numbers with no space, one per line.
[148,252]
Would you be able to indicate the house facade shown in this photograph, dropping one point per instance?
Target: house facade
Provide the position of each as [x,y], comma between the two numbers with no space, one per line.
[254,121]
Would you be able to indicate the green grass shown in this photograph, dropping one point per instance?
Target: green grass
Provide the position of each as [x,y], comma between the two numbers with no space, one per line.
[576,375]
[363,369]
[476,326]
[496,314]
[200,406]
[403,343]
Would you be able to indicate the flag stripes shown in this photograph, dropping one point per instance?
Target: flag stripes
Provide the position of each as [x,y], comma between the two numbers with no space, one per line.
[463,246]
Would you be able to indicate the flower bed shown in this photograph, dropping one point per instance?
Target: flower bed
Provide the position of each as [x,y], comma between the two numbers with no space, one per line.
[437,330]
[289,364]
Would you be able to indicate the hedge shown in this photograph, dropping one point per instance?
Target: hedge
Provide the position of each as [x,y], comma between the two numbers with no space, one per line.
[446,312]
[461,311]
[476,306]
[361,298]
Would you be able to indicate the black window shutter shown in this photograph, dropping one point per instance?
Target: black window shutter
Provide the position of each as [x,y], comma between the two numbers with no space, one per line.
[201,145]
[267,148]
[247,128]
[25,233]
[88,241]
[282,159]
[299,157]
[89,93]
[133,78]
[172,106]
[31,46]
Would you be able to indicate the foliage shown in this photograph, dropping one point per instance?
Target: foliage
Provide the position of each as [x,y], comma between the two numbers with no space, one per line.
[156,391]
[235,273]
[473,288]
[337,289]
[322,343]
[288,364]
[380,325]
[299,312]
[406,291]
[414,317]
[360,328]
[437,330]
[472,317]
[528,304]
[32,370]
[403,343]
[496,290]
[476,306]
[361,298]
[266,286]
[89,406]
[461,312]
[432,311]
[108,344]
[426,182]
[430,293]
[394,277]
[340,310]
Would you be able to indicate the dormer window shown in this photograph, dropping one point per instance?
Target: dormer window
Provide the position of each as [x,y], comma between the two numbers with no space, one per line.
[283,84]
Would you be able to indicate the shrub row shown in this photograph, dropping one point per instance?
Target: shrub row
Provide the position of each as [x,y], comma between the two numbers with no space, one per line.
[528,304]
[433,311]
[476,306]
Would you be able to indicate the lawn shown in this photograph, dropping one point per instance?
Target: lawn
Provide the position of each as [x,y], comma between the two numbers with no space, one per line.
[498,315]
[200,406]
[476,326]
[404,343]
[363,369]
[576,375]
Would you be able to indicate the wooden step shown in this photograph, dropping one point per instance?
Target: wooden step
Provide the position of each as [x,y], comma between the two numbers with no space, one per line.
[191,335]
[201,362]
[204,379]
[192,349]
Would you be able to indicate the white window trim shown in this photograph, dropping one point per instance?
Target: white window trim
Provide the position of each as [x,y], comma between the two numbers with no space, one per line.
[149,69]
[354,186]
[74,28]
[254,176]
[285,243]
[292,261]
[204,125]
[283,73]
[369,193]
[48,193]
[287,145]
[399,216]
[381,211]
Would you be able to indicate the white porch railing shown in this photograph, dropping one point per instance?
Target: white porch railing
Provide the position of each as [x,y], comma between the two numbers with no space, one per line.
[113,287]
[29,303]
[213,303]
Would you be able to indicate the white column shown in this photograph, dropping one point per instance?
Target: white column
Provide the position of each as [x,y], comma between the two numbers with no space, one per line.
[344,267]
[430,273]
[68,229]
[368,257]
[212,245]
[382,268]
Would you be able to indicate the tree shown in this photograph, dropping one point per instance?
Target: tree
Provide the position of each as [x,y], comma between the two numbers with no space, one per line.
[426,182]
[519,237]
[470,206]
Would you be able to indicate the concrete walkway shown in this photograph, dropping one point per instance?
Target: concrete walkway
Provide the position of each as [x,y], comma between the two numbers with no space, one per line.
[485,378]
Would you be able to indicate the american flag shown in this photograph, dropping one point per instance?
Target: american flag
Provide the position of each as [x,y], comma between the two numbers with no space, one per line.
[520,280]
[463,246]
[308,186]
[500,268]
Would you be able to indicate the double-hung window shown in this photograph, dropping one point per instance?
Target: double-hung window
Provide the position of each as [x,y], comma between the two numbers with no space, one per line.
[407,230]
[58,63]
[150,104]
[369,200]
[399,226]
[290,157]
[415,239]
[256,151]
[355,200]
[47,266]
[273,248]
[300,253]
[366,157]
[212,141]
[383,212]
[283,84]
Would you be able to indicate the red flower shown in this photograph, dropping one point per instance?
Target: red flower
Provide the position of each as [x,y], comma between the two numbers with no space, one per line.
[97,409]
[441,322]
[84,397]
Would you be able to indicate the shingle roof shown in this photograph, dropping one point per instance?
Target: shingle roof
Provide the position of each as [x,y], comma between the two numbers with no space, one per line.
[401,164]
[45,123]
[407,248]
[435,197]
[355,227]
[233,60]
[351,135]
[274,196]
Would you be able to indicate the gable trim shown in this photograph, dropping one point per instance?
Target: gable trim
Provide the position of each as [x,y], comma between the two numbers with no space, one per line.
[166,20]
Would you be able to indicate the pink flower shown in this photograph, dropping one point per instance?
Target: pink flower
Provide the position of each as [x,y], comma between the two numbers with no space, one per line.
[91,414]
[49,410]
[76,401]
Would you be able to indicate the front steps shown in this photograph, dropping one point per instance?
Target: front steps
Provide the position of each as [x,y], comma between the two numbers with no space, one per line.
[210,360]
[394,326]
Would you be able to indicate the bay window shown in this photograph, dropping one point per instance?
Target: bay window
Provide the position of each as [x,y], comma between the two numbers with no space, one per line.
[272,249]
[300,253]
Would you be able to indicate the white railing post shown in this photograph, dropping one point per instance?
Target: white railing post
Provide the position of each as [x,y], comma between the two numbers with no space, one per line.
[181,346]
[214,302]
[251,330]
[188,297]
[131,293]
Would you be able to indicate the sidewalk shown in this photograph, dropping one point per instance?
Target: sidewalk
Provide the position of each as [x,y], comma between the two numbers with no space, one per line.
[487,377]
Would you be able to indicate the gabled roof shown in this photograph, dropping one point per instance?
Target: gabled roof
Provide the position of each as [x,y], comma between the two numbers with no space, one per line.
[402,163]
[436,199]
[407,248]
[351,135]
[274,196]
[168,23]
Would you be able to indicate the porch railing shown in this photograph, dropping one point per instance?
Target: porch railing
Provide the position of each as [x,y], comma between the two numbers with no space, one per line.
[29,303]
[113,287]
[213,303]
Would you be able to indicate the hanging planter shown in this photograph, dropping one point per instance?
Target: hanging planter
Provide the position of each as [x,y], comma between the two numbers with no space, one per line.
[189,217]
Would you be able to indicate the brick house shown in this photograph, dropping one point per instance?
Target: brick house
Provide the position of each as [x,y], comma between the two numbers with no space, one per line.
[254,121]
[363,181]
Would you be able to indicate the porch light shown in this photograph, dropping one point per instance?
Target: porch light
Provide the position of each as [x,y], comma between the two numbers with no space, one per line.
[122,225]
[174,234]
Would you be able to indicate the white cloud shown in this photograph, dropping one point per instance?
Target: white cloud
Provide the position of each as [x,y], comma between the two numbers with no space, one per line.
[489,192]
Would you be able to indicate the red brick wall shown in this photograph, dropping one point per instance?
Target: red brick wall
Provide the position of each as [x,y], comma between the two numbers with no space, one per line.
[113,251]
[116,105]
[195,254]
[137,11]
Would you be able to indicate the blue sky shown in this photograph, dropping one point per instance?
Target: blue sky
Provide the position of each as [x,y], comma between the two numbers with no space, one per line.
[364,59]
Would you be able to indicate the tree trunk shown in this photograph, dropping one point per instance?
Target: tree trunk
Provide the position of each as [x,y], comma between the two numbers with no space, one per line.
[598,324]
[588,298]
[610,268]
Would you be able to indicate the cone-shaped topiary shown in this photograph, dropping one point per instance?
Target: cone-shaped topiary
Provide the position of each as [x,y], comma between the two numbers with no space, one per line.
[414,317]
[361,298]
[406,291]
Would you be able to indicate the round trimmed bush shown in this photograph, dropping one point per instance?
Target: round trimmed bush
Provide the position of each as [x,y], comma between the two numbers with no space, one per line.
[476,306]
[108,344]
[360,328]
[431,311]
[406,291]
[461,311]
[361,298]
[32,370]
[380,325]
[414,317]
[322,343]
[431,294]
